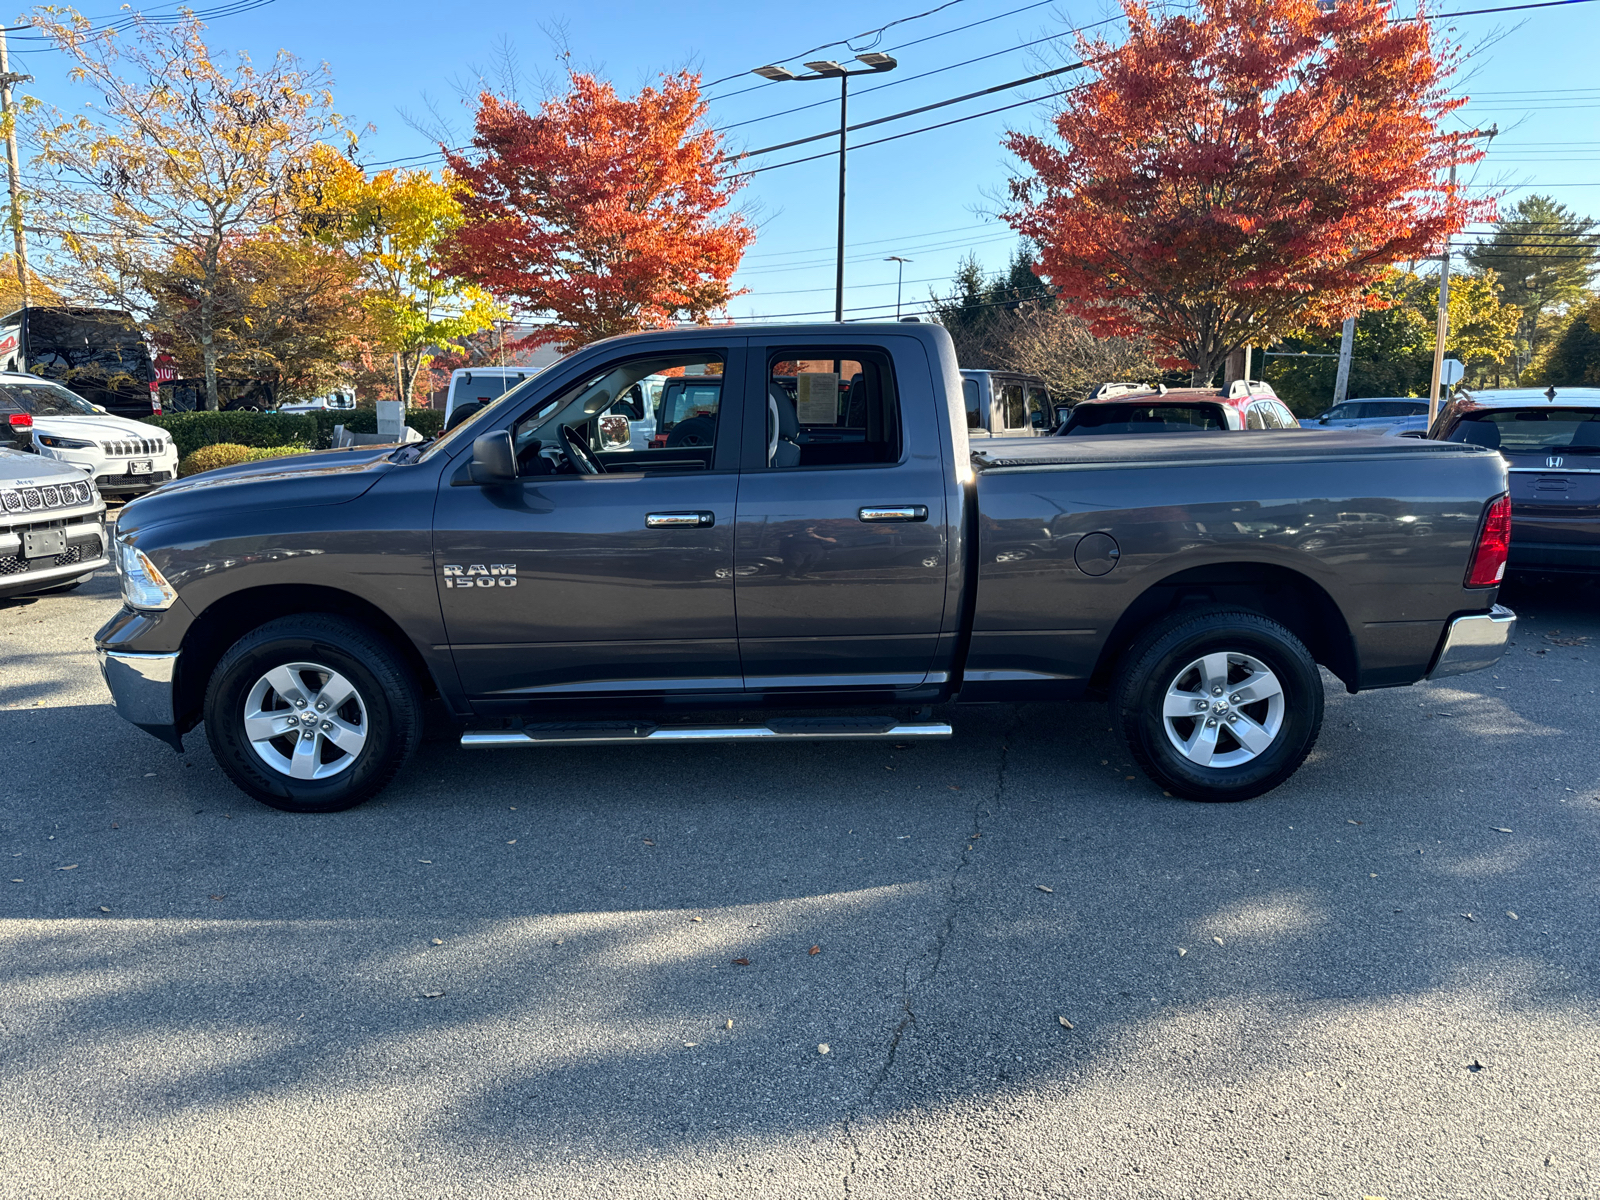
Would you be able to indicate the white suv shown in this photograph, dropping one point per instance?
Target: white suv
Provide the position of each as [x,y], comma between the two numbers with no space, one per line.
[120,455]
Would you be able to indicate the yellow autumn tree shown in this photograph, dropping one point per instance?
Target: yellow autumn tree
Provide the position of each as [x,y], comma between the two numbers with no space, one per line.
[392,223]
[179,152]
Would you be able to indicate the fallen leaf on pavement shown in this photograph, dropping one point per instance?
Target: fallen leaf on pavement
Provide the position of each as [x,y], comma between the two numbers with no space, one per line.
[648,842]
[1348,821]
[728,1024]
[428,861]
[823,1048]
[741,962]
[1065,1024]
[431,995]
[697,920]
[1468,916]
[149,774]
[73,867]
[103,908]
[1511,914]
[1217,940]
[690,1045]
[224,896]
[1498,829]
[512,842]
[1181,952]
[438,941]
[1042,888]
[815,950]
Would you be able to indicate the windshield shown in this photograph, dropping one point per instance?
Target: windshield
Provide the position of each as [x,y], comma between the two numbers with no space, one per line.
[1142,418]
[99,342]
[49,400]
[1532,431]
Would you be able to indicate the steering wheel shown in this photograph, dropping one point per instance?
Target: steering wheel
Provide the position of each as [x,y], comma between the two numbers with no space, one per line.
[578,453]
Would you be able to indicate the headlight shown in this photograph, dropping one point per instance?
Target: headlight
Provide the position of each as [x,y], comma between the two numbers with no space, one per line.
[61,443]
[143,585]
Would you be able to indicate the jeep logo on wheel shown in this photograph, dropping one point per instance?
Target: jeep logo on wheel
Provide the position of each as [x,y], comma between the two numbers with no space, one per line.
[478,575]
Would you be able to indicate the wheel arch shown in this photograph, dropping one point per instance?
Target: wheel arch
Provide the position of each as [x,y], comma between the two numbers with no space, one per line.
[1292,599]
[229,618]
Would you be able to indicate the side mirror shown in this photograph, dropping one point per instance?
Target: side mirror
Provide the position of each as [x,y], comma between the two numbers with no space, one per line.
[494,461]
[1036,419]
[1324,419]
[615,433]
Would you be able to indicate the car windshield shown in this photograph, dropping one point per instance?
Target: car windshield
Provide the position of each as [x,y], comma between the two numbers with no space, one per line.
[1532,430]
[47,400]
[1142,418]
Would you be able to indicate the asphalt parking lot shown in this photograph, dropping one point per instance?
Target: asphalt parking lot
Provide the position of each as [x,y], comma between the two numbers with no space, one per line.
[524,973]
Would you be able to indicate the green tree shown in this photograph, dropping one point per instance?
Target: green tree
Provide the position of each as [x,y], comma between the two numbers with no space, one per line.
[1545,255]
[1393,350]
[1574,357]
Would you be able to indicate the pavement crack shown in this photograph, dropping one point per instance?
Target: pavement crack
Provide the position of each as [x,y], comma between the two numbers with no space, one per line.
[982,806]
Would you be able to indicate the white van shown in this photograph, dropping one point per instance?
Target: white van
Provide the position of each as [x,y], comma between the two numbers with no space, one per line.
[472,385]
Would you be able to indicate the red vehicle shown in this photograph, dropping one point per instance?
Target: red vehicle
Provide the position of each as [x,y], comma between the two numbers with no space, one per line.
[1136,408]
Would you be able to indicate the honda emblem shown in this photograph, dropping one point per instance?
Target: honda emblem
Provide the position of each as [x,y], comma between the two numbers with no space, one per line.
[1553,461]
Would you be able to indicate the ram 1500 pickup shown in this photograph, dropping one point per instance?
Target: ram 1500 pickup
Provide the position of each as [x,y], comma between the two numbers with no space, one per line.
[826,558]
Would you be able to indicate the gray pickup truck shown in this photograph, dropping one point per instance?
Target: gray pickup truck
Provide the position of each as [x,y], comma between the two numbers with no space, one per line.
[827,559]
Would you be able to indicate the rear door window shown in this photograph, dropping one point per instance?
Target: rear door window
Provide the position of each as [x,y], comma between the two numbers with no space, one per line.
[1013,404]
[831,407]
[972,396]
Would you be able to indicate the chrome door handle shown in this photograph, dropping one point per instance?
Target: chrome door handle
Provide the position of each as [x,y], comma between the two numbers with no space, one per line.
[679,520]
[896,512]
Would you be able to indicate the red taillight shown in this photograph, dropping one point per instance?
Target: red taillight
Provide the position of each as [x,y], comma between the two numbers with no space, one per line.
[1494,543]
[21,420]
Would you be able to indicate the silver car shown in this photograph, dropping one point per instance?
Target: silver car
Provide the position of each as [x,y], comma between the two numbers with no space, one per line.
[1374,415]
[52,531]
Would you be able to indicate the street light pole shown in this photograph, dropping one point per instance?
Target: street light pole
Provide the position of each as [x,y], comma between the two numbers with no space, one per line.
[828,69]
[899,279]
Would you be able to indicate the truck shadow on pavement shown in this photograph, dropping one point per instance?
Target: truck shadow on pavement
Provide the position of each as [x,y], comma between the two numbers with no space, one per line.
[532,959]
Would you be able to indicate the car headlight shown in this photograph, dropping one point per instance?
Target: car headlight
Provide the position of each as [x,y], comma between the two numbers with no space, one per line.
[61,443]
[142,585]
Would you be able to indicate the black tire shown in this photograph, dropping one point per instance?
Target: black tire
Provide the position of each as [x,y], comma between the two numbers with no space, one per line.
[1167,661]
[385,710]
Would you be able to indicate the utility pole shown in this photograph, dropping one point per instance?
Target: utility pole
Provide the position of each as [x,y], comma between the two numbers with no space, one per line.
[1442,327]
[8,114]
[1347,339]
[899,281]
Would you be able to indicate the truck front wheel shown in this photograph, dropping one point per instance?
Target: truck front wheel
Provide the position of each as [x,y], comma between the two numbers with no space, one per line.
[1220,705]
[312,713]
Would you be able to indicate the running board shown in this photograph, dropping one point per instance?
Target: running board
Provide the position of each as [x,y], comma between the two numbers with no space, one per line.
[845,729]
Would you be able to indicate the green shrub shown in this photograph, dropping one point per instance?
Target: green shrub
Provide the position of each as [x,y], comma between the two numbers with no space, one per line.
[229,454]
[193,430]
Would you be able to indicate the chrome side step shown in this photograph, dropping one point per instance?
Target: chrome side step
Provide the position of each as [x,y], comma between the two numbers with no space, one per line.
[843,729]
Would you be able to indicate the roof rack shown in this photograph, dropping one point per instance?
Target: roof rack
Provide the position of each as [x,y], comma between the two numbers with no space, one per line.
[1118,389]
[1239,389]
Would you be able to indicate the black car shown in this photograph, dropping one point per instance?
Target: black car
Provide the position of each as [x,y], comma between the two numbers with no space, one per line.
[1551,440]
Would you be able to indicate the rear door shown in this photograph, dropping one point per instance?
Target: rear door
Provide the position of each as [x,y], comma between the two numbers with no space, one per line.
[841,548]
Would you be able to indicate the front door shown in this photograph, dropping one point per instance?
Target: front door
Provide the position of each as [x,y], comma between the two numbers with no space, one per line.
[842,547]
[594,585]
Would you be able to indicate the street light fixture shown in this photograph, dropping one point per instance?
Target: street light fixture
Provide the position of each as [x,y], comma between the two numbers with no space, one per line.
[825,68]
[899,279]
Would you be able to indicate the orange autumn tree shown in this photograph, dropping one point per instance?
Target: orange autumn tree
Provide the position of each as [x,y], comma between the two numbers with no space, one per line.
[1242,170]
[604,212]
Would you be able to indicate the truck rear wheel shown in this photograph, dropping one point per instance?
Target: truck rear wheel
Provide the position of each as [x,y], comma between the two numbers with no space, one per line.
[1220,705]
[312,713]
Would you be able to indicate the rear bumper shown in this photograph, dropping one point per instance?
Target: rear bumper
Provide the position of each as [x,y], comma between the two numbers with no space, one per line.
[1474,642]
[142,688]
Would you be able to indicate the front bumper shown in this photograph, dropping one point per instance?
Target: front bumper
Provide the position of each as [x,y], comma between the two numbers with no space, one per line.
[1474,642]
[142,687]
[85,554]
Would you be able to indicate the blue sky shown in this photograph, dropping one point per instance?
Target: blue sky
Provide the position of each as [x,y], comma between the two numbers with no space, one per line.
[926,197]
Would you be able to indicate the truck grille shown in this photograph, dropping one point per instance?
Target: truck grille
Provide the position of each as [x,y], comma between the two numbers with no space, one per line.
[134,447]
[17,565]
[46,496]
